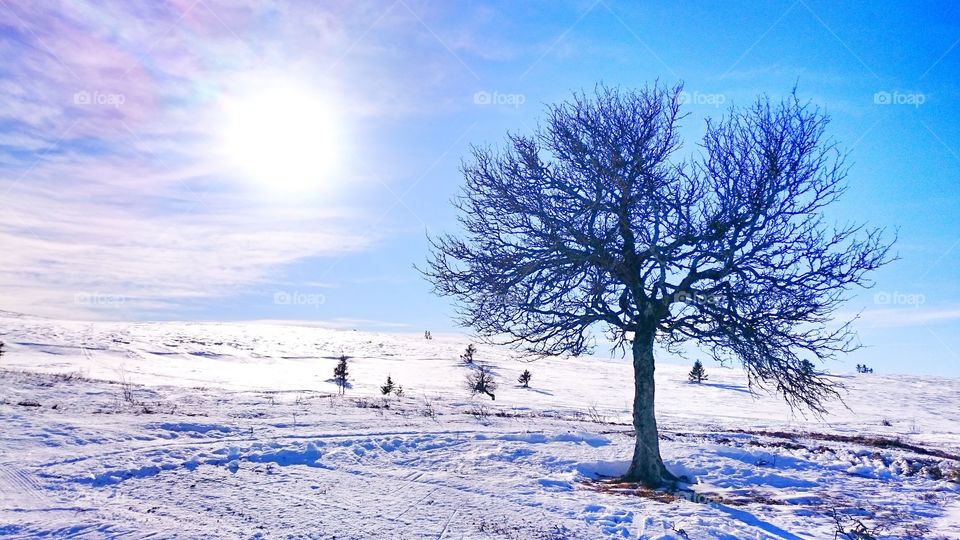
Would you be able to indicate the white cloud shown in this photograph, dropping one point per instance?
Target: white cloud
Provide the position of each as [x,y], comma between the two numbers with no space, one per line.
[55,250]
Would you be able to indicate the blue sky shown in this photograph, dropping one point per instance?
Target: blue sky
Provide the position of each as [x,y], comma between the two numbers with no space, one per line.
[121,199]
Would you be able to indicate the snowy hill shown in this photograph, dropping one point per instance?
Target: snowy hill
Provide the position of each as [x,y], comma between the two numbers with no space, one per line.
[234,430]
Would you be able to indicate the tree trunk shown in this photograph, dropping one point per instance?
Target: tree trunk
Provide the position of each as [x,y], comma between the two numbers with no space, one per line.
[647,466]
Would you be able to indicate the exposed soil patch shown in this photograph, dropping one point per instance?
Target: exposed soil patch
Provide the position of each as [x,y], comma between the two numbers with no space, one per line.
[865,440]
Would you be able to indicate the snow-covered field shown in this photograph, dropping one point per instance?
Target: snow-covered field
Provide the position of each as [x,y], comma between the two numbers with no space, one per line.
[205,430]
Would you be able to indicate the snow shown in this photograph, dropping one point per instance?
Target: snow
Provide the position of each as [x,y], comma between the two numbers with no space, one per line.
[235,430]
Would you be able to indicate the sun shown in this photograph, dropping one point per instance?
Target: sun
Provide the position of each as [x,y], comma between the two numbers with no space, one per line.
[283,138]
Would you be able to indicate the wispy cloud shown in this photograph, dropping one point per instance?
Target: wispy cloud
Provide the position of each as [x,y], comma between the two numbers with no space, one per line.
[110,193]
[907,316]
[59,252]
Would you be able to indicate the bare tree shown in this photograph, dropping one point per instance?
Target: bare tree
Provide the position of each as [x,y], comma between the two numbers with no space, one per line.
[591,220]
[481,381]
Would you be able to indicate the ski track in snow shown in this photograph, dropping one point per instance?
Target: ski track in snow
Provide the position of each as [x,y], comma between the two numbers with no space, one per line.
[199,430]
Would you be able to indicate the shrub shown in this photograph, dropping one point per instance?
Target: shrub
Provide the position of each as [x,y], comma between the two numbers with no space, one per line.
[429,409]
[595,415]
[387,388]
[481,381]
[341,374]
[467,355]
[525,378]
[480,412]
[697,374]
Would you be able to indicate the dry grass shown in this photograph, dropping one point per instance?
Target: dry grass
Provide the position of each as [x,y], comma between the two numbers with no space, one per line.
[865,440]
[615,486]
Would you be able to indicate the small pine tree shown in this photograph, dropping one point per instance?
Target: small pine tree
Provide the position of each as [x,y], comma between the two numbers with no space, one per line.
[806,367]
[525,378]
[697,374]
[467,355]
[340,374]
[427,335]
[1,349]
[387,388]
[864,369]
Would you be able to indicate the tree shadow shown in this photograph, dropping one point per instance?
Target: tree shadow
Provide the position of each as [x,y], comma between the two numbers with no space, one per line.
[735,387]
[750,519]
[532,389]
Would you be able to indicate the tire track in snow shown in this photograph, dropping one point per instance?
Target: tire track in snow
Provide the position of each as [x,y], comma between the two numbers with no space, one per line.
[447,524]
[416,502]
[19,486]
[291,437]
[447,492]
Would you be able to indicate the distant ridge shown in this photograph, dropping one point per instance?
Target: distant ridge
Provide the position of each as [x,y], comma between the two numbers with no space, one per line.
[18,315]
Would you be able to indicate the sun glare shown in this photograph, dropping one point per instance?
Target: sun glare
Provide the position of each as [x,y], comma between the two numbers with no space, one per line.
[281,138]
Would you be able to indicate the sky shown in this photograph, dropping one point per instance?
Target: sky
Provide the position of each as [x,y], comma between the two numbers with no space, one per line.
[139,144]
